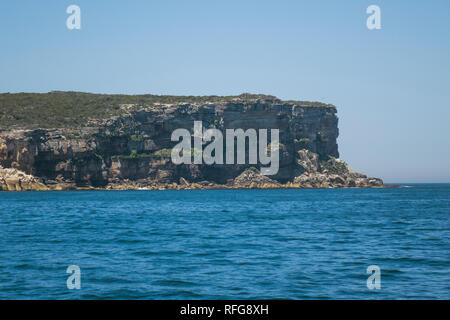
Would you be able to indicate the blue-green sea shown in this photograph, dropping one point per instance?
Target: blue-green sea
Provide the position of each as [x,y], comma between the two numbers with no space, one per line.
[227,244]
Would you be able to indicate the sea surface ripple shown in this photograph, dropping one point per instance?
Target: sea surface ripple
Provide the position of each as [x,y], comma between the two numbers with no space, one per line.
[227,244]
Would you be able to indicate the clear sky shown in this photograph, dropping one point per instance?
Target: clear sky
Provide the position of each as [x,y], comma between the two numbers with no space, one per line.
[391,86]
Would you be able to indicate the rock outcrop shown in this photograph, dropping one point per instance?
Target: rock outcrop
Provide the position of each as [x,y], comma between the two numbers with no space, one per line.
[253,179]
[16,180]
[333,173]
[132,150]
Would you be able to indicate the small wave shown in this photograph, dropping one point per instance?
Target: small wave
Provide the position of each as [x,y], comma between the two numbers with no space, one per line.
[176,283]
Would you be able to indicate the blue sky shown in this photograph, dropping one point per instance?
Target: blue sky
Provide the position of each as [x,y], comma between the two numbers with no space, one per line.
[391,86]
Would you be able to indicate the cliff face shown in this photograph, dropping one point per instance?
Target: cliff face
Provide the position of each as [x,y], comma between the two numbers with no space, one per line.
[134,147]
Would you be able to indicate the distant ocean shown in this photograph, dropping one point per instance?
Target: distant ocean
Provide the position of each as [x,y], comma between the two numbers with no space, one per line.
[227,244]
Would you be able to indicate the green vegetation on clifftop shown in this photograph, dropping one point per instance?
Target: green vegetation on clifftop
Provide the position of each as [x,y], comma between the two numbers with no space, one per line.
[58,109]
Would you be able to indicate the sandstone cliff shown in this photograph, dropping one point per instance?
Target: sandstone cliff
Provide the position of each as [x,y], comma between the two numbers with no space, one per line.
[131,148]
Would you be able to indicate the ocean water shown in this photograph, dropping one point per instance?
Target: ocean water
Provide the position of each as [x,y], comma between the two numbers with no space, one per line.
[227,244]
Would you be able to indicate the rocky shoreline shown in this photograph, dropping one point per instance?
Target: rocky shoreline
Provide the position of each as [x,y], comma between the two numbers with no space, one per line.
[16,180]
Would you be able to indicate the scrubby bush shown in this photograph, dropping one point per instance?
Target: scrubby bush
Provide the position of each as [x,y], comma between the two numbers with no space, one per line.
[334,166]
[61,109]
[163,153]
[136,138]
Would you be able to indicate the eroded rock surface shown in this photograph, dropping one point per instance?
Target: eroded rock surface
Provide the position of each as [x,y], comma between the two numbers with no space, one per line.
[253,179]
[333,173]
[15,180]
[132,150]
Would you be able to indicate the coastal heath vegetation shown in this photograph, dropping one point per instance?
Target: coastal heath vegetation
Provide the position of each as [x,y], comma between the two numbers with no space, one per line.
[69,109]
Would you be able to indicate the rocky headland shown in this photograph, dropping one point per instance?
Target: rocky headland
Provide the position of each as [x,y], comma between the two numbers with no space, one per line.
[80,141]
